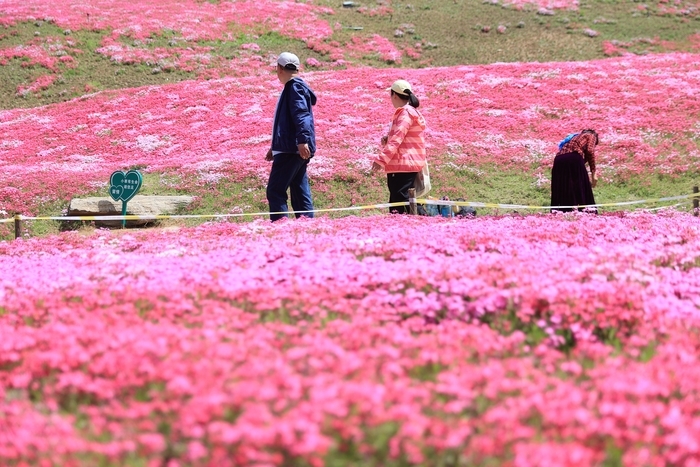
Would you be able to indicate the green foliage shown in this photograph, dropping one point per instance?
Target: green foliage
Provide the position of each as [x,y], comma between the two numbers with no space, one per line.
[608,335]
[507,322]
[427,372]
[613,455]
[648,352]
[645,186]
[377,438]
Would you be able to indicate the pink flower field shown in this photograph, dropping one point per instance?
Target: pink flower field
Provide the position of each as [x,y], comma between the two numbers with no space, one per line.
[647,110]
[539,340]
[192,18]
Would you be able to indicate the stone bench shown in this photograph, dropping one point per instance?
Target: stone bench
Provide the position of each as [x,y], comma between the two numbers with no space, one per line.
[139,205]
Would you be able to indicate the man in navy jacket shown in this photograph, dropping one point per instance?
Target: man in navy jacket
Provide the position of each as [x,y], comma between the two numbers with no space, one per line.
[293,142]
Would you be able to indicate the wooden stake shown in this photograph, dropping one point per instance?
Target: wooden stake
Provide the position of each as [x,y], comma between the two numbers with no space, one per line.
[18,226]
[412,207]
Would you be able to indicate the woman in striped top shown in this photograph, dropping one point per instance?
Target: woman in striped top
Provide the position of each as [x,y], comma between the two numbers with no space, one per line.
[403,152]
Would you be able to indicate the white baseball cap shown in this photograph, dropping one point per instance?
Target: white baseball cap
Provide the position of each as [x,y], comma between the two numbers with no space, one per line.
[400,86]
[288,61]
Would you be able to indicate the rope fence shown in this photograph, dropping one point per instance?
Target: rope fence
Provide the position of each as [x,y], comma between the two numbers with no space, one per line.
[413,202]
[524,206]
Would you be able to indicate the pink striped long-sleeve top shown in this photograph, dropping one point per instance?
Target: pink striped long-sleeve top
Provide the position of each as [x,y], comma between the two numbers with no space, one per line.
[405,147]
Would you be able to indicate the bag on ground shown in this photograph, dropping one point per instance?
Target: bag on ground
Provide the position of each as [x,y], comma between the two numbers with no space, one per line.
[465,211]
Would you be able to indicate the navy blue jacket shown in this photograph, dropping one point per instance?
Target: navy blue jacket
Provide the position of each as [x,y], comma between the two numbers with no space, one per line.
[294,120]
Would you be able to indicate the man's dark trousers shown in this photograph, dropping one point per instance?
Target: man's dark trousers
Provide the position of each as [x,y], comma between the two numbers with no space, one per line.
[289,173]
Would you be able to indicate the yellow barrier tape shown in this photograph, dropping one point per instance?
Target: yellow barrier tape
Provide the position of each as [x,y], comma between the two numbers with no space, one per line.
[476,204]
[438,202]
[130,217]
[666,207]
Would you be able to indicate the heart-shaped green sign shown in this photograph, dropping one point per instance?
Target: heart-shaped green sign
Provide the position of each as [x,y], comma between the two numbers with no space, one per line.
[124,185]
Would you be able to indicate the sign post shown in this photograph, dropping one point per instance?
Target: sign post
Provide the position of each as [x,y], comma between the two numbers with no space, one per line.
[124,186]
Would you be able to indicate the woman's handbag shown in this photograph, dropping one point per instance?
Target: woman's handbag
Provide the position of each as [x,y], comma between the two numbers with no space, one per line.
[422,183]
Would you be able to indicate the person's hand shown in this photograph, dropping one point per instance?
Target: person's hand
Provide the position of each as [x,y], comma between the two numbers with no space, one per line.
[594,180]
[384,140]
[304,150]
[376,167]
[268,156]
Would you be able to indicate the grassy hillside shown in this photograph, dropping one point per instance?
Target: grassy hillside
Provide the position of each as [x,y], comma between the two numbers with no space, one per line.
[467,31]
[447,32]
